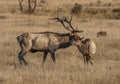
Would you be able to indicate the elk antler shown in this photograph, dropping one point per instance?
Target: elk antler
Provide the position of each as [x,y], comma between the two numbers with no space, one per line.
[70,24]
[61,20]
[64,20]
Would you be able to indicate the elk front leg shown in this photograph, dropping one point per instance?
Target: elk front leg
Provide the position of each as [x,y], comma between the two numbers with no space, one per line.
[52,53]
[44,57]
[84,57]
[21,57]
[53,56]
[91,62]
[88,59]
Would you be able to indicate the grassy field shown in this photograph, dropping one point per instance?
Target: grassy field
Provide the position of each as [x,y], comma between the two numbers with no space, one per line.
[69,68]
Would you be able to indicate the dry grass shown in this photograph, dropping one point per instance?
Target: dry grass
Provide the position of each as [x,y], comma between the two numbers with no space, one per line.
[69,68]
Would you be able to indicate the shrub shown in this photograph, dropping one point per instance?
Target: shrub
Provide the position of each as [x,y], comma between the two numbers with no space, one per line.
[91,11]
[77,9]
[116,10]
[99,2]
[3,17]
[116,16]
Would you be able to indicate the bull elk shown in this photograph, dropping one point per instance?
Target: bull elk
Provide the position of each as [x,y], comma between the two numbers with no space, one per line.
[47,42]
[87,47]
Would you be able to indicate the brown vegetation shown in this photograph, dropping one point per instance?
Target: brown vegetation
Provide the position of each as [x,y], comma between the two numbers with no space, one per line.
[102,34]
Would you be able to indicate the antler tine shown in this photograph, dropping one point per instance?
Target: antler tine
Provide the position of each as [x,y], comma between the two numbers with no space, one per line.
[57,18]
[61,20]
[64,17]
[71,17]
[70,23]
[58,14]
[65,20]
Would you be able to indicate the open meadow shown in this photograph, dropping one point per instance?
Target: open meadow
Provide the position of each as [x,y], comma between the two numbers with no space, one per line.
[69,67]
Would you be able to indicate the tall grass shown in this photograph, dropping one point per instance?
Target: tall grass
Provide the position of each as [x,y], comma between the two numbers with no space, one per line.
[69,68]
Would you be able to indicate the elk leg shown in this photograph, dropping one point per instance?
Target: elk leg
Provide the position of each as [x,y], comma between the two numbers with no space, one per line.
[52,53]
[88,59]
[91,62]
[84,57]
[21,54]
[53,56]
[44,57]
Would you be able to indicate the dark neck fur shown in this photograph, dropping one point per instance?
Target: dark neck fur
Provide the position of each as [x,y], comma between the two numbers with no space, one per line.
[64,45]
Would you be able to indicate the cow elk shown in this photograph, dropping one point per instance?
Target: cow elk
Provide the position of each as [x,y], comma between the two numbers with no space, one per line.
[101,34]
[47,42]
[87,47]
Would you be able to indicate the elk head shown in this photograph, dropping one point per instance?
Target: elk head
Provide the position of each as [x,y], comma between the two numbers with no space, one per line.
[73,32]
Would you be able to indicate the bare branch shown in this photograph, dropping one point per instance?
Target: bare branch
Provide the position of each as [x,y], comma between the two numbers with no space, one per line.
[20,4]
[29,5]
[35,2]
